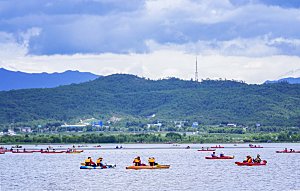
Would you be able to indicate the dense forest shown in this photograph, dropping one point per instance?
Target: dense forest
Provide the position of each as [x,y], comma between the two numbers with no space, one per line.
[208,102]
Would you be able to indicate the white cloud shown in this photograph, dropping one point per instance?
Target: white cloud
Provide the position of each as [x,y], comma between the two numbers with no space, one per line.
[161,64]
[251,41]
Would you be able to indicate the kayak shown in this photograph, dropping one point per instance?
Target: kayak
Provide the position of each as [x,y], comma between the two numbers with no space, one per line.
[287,151]
[217,147]
[256,147]
[264,162]
[98,167]
[22,152]
[207,150]
[223,157]
[74,152]
[52,152]
[148,167]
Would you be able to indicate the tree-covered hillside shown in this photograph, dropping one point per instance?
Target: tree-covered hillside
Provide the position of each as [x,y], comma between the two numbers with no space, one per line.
[209,102]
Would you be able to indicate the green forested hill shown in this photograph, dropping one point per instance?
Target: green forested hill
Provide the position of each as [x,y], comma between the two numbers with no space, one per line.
[209,102]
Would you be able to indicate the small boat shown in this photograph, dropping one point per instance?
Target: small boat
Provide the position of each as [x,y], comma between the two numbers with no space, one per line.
[288,151]
[17,146]
[264,162]
[98,146]
[217,147]
[52,152]
[206,150]
[74,152]
[22,152]
[223,157]
[148,167]
[256,146]
[98,167]
[83,146]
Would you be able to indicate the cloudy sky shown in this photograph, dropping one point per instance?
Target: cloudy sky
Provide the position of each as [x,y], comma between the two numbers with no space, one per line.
[250,40]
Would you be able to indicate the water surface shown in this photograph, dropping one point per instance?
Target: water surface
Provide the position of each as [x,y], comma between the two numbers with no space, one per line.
[189,170]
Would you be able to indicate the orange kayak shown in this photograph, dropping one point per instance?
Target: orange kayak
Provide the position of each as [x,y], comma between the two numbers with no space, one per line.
[148,167]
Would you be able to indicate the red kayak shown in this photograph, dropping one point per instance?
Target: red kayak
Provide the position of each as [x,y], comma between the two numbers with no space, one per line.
[223,157]
[22,152]
[264,162]
[52,152]
[207,150]
[287,151]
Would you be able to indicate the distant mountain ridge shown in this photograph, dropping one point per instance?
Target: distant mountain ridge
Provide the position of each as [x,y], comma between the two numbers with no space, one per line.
[289,80]
[10,80]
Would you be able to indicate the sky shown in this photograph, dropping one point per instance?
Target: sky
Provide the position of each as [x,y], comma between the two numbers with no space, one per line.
[248,40]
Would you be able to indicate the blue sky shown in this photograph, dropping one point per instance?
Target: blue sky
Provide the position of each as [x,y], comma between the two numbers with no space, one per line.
[240,39]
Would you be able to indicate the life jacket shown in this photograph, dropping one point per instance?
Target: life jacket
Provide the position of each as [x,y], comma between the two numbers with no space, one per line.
[151,160]
[99,161]
[87,160]
[136,160]
[249,160]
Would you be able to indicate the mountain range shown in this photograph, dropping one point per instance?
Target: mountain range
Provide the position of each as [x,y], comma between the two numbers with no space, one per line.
[10,80]
[287,80]
[208,102]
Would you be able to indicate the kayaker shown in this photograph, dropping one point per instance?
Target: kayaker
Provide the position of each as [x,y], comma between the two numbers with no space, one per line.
[89,162]
[137,161]
[248,159]
[285,150]
[258,159]
[213,154]
[222,154]
[152,161]
[99,161]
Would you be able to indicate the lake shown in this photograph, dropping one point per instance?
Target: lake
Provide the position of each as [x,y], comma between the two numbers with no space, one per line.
[189,170]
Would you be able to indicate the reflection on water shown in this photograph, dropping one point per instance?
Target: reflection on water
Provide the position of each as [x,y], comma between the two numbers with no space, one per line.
[189,170]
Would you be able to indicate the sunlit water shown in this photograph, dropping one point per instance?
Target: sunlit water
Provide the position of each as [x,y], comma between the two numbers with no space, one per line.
[189,170]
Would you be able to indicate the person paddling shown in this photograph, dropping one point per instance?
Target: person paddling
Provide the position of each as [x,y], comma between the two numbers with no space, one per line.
[137,161]
[99,161]
[257,159]
[248,159]
[152,161]
[213,154]
[89,162]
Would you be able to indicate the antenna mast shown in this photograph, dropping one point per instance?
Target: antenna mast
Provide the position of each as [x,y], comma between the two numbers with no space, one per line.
[196,73]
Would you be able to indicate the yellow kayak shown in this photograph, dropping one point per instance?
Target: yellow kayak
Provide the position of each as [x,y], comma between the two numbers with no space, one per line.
[75,152]
[148,167]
